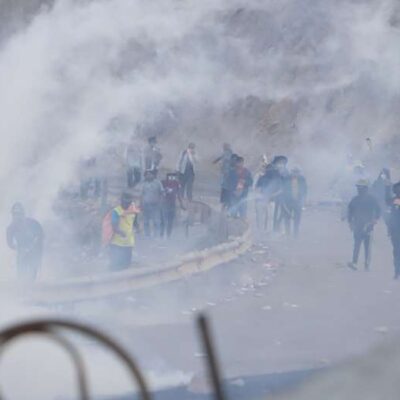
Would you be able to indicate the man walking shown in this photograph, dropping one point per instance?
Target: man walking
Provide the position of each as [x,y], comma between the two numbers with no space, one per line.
[363,213]
[123,237]
[25,235]
[186,168]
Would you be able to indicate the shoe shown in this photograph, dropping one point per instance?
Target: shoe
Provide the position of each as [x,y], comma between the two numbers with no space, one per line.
[352,266]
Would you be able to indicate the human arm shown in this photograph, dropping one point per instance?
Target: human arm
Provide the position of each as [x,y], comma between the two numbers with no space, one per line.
[115,218]
[10,238]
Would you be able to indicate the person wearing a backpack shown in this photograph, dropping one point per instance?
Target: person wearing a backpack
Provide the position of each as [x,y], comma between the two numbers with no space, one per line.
[122,238]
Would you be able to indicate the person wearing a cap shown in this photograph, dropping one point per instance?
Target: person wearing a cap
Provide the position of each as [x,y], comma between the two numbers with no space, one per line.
[394,225]
[362,215]
[123,238]
[25,235]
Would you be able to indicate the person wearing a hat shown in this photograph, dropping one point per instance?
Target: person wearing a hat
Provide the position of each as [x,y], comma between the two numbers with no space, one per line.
[394,226]
[362,215]
[123,237]
[25,235]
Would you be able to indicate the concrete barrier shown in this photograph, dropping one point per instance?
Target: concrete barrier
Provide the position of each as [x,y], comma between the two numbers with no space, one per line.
[232,238]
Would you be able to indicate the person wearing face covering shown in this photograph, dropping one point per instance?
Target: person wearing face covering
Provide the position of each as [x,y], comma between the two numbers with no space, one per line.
[25,236]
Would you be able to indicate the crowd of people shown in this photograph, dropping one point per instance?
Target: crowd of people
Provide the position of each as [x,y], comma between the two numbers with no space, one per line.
[279,195]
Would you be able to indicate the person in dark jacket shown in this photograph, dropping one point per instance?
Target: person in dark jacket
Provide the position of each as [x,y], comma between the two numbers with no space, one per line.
[172,192]
[226,160]
[379,190]
[280,165]
[25,235]
[268,187]
[294,197]
[394,225]
[363,213]
[240,183]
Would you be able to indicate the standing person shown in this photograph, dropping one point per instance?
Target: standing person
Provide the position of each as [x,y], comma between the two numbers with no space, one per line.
[226,189]
[363,213]
[294,197]
[268,188]
[279,164]
[186,168]
[172,192]
[25,235]
[133,159]
[122,237]
[394,225]
[379,190]
[241,182]
[151,200]
[152,156]
[225,161]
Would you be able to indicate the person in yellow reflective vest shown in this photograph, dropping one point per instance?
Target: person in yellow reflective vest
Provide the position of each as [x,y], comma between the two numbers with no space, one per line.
[123,238]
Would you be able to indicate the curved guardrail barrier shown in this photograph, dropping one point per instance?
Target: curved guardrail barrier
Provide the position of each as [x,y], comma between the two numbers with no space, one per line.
[232,238]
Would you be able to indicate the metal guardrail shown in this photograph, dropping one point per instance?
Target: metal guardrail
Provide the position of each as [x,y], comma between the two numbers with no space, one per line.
[232,238]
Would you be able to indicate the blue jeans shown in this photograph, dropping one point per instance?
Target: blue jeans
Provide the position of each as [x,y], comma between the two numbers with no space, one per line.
[151,216]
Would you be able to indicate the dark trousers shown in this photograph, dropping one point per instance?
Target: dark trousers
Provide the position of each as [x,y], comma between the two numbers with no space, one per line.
[362,238]
[28,264]
[151,216]
[277,216]
[120,257]
[238,207]
[187,180]
[167,219]
[133,176]
[291,212]
[395,237]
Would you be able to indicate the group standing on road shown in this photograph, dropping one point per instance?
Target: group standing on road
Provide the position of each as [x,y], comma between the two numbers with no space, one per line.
[278,191]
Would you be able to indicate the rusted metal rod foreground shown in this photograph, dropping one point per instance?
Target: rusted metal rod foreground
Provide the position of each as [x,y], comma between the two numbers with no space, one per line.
[214,373]
[51,328]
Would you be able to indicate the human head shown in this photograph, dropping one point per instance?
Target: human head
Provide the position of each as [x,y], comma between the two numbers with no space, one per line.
[17,212]
[396,189]
[362,186]
[239,162]
[126,200]
[280,163]
[149,175]
[191,146]
[152,140]
[226,146]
